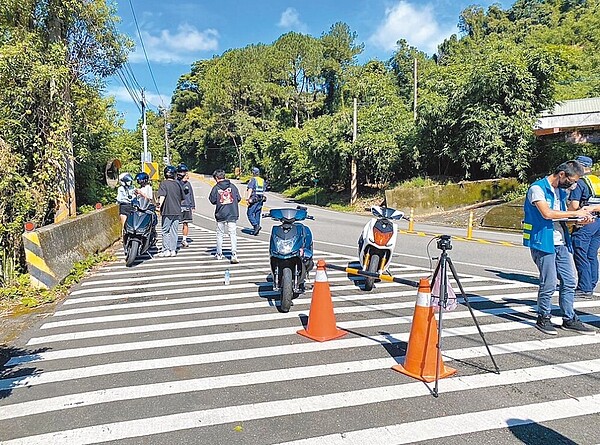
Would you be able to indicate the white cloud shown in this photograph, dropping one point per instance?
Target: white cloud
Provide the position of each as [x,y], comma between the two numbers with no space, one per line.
[290,19]
[121,94]
[414,23]
[182,46]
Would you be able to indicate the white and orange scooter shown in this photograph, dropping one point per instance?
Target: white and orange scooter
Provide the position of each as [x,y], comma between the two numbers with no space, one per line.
[377,242]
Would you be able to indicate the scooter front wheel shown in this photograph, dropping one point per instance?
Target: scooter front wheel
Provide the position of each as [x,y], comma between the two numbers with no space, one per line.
[132,252]
[287,289]
[373,267]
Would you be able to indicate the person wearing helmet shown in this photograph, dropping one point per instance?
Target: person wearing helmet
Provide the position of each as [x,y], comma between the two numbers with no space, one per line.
[255,196]
[170,196]
[188,205]
[125,194]
[144,192]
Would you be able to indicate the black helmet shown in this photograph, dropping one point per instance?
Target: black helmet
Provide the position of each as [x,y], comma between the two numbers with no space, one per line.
[170,172]
[142,178]
[181,170]
[125,179]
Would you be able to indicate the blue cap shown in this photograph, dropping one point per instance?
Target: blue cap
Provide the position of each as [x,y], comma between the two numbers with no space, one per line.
[586,161]
[256,171]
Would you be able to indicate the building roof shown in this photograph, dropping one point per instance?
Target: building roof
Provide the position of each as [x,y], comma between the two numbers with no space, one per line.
[575,106]
[570,115]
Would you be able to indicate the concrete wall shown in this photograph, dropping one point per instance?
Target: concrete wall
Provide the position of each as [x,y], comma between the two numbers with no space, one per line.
[506,216]
[441,198]
[51,251]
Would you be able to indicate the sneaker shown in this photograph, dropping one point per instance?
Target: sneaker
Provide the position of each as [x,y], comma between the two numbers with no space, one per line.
[584,295]
[184,243]
[218,256]
[544,325]
[173,253]
[234,259]
[256,230]
[577,326]
[163,253]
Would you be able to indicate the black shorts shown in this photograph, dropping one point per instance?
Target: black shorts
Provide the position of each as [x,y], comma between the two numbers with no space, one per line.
[125,208]
[186,216]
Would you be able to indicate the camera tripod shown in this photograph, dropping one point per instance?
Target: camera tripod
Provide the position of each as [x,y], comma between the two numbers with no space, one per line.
[444,261]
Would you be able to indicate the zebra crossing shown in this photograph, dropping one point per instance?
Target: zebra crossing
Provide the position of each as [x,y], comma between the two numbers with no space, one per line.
[165,352]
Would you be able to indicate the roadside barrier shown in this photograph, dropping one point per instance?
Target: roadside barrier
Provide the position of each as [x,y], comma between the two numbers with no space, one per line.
[52,250]
[421,353]
[321,324]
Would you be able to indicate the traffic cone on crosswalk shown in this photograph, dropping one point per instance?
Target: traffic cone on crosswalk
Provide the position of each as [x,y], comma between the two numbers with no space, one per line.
[421,353]
[321,319]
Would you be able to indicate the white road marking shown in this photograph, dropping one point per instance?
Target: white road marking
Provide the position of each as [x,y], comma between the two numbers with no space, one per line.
[236,355]
[220,308]
[254,378]
[438,427]
[395,434]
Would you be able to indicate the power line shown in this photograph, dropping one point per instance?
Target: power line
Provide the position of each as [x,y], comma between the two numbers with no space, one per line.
[145,54]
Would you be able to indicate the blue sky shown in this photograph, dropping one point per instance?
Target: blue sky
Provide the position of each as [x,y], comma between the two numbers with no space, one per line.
[177,33]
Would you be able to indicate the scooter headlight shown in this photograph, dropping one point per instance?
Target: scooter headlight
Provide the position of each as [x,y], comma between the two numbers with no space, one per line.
[382,238]
[284,246]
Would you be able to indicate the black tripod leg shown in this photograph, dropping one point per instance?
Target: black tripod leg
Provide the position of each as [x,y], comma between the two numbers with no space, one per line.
[464,295]
[443,297]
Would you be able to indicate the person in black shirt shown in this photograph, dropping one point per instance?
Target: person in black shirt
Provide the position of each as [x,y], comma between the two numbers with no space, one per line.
[225,196]
[170,196]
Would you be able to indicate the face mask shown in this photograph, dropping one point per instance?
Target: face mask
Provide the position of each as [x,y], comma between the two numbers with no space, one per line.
[565,185]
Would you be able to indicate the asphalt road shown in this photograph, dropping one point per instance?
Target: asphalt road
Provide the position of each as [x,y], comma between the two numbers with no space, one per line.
[165,353]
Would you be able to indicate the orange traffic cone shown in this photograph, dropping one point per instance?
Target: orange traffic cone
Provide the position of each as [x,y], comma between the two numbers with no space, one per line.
[321,319]
[421,353]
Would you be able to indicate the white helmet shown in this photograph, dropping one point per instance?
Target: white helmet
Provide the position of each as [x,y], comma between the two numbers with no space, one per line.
[125,179]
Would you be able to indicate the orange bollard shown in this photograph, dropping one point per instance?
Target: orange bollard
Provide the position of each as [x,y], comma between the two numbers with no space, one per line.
[321,319]
[421,353]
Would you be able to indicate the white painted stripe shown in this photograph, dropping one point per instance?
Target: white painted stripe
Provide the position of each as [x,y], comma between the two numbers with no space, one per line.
[439,427]
[236,355]
[218,269]
[225,336]
[254,378]
[236,306]
[223,297]
[395,434]
[81,335]
[219,289]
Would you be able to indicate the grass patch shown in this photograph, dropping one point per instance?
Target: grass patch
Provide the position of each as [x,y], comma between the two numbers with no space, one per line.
[339,201]
[20,293]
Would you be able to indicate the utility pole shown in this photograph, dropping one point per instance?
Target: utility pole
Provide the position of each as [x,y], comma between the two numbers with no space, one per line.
[415,89]
[353,169]
[165,113]
[146,156]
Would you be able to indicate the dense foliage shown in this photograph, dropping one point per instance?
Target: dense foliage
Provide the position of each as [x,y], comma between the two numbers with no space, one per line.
[53,56]
[287,106]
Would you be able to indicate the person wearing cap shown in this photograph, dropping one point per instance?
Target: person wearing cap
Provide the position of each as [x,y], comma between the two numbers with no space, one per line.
[255,196]
[546,234]
[586,237]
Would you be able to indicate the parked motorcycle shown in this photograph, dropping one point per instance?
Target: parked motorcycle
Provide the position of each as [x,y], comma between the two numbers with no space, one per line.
[139,233]
[377,242]
[291,252]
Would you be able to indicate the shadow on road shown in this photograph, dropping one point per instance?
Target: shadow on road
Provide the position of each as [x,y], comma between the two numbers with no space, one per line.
[532,433]
[529,279]
[8,373]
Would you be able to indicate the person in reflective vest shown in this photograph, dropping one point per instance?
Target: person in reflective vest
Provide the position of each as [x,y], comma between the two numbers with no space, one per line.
[255,196]
[550,245]
[586,238]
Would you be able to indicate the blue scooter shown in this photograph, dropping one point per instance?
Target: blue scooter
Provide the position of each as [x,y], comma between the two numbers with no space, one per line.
[291,252]
[139,233]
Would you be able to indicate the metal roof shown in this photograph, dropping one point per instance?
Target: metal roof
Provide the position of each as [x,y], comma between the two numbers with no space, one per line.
[575,106]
